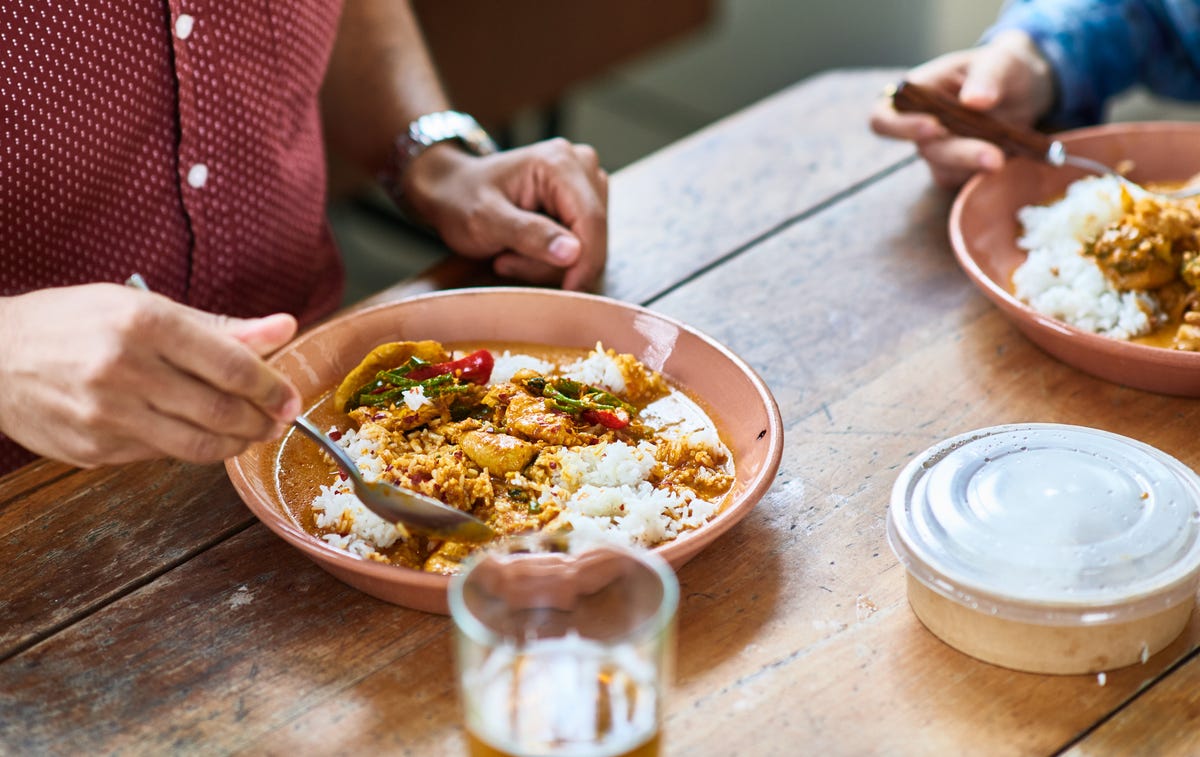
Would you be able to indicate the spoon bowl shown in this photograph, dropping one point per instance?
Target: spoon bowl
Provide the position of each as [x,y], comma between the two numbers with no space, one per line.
[417,512]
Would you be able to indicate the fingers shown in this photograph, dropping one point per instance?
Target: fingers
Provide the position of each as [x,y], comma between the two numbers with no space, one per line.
[540,212]
[203,394]
[597,176]
[514,265]
[953,161]
[990,78]
[945,74]
[549,221]
[200,345]
[134,375]
[156,435]
[573,191]
[183,439]
[987,76]
[134,411]
[540,249]
[886,121]
[263,335]
[181,397]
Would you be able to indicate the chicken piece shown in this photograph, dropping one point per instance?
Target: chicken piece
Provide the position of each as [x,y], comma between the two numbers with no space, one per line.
[498,453]
[406,552]
[1187,337]
[497,398]
[701,469]
[642,385]
[1190,270]
[1174,300]
[508,513]
[447,558]
[514,510]
[1145,248]
[529,417]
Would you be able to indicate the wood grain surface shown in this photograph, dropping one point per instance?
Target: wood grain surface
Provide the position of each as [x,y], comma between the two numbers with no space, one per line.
[145,611]
[882,350]
[1163,721]
[695,203]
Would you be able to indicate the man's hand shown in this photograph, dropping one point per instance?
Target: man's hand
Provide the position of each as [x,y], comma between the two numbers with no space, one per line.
[101,373]
[1008,77]
[538,212]
[541,212]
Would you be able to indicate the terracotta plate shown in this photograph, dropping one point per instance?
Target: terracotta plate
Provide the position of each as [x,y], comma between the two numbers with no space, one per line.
[277,480]
[984,231]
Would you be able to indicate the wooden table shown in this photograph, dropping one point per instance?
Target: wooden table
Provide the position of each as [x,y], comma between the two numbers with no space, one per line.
[144,610]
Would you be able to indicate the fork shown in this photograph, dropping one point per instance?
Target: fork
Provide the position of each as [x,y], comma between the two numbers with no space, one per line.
[965,122]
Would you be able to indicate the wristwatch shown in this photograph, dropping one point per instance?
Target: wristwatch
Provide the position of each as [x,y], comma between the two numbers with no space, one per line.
[425,132]
[434,128]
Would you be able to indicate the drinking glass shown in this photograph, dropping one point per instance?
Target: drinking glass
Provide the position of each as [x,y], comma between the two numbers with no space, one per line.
[564,647]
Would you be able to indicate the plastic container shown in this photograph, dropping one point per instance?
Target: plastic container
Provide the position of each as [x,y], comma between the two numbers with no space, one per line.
[1049,548]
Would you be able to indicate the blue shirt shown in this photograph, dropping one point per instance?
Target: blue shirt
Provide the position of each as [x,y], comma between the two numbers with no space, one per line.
[1099,48]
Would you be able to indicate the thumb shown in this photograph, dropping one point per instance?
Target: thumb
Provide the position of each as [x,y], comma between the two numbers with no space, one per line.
[263,335]
[983,87]
[533,235]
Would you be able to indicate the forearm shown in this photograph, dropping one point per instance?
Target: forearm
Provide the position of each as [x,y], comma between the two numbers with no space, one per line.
[1097,48]
[380,78]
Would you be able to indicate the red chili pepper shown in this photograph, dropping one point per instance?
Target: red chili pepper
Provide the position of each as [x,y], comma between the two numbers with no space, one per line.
[475,368]
[617,418]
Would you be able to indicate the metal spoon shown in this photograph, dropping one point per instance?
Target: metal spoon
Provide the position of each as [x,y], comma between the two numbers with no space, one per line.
[417,512]
[961,120]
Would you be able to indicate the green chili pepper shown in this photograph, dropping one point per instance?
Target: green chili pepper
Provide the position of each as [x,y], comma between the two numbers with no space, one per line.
[390,385]
[593,404]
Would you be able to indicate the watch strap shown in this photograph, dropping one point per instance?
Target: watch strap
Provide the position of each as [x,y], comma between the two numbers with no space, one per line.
[425,132]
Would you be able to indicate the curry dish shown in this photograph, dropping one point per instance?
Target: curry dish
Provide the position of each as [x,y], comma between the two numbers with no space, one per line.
[546,438]
[1154,247]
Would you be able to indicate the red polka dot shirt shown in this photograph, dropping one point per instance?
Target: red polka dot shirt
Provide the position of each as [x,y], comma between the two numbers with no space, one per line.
[180,140]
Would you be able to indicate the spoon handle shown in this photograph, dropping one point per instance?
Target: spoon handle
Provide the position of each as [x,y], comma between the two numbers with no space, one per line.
[961,120]
[339,454]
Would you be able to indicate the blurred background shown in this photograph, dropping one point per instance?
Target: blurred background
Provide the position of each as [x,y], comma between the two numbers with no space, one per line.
[746,50]
[632,76]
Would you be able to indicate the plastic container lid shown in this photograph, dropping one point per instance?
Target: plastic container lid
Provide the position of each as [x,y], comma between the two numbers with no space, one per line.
[1048,523]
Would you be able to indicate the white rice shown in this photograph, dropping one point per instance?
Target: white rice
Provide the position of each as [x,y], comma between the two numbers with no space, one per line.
[507,364]
[359,531]
[1058,280]
[603,490]
[597,369]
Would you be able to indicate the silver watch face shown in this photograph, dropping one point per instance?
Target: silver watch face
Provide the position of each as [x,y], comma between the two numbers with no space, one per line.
[433,128]
[425,132]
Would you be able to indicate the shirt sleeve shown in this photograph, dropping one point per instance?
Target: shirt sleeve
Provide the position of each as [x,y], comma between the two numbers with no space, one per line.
[1099,48]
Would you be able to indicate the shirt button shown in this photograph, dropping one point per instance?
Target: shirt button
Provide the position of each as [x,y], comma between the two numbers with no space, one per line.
[197,176]
[183,25]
